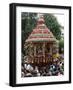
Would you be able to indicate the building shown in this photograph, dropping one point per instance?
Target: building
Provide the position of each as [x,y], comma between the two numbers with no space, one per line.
[42,44]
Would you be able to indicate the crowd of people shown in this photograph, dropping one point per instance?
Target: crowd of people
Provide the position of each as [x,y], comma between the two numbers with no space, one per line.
[54,69]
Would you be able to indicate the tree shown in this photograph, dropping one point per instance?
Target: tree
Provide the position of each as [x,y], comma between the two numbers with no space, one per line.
[61,46]
[53,25]
[28,22]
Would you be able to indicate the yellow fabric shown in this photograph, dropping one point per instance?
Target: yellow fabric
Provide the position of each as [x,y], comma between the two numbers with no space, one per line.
[56,55]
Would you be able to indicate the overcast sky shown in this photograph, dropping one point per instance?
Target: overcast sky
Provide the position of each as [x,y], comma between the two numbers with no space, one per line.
[60,19]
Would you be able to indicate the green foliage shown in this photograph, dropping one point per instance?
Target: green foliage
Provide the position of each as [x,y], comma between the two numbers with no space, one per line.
[61,45]
[53,25]
[28,22]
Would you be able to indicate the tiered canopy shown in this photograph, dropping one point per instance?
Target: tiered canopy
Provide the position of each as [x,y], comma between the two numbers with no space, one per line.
[41,33]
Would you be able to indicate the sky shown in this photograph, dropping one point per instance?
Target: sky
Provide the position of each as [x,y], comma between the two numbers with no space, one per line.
[60,18]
